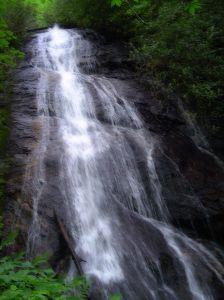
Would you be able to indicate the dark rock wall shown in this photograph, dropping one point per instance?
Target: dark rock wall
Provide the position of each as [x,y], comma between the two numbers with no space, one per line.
[192,180]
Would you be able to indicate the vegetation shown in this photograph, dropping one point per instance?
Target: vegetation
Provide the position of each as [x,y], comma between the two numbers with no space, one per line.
[179,43]
[34,280]
[184,50]
[22,279]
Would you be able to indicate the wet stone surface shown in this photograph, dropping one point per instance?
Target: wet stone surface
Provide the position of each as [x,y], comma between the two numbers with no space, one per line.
[189,180]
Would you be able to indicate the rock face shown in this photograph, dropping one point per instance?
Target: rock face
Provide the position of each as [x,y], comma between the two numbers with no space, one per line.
[191,177]
[25,149]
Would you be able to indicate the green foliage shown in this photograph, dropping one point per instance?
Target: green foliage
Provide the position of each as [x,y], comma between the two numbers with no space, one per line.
[41,10]
[185,51]
[116,3]
[194,6]
[15,18]
[180,43]
[9,55]
[23,279]
[115,297]
[101,15]
[18,15]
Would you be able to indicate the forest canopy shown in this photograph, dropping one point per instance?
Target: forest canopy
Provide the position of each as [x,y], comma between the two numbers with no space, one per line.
[178,42]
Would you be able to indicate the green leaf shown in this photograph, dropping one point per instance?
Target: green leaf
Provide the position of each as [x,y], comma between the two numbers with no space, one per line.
[116,3]
[194,6]
[9,240]
[38,260]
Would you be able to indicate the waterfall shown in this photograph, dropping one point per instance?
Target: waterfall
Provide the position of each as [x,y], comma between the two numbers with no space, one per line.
[114,210]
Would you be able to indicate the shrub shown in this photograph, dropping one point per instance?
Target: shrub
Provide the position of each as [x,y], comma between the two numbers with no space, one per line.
[35,280]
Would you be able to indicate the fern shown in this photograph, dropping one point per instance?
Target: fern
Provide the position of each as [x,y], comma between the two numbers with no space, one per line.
[22,279]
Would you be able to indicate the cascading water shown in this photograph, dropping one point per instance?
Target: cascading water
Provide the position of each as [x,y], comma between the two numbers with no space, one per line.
[115,212]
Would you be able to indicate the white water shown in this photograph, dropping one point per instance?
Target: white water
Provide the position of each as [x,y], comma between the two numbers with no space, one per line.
[103,189]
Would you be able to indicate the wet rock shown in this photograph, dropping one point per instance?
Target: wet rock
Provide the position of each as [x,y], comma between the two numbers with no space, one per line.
[191,179]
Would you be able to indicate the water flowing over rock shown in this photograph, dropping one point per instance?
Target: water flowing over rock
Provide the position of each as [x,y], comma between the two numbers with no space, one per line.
[121,171]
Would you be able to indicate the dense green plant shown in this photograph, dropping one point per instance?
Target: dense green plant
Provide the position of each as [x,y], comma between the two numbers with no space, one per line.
[9,54]
[98,15]
[16,16]
[185,51]
[35,280]
[178,42]
[41,9]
